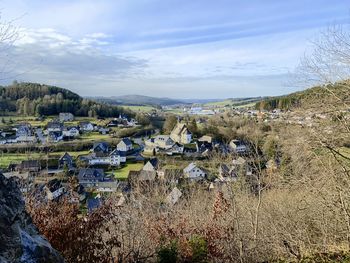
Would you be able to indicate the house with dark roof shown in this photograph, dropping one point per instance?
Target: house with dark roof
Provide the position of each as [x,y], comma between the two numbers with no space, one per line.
[54,126]
[177,148]
[152,165]
[86,126]
[93,204]
[71,132]
[28,166]
[24,130]
[55,136]
[100,148]
[54,189]
[192,171]
[125,145]
[90,177]
[203,146]
[66,160]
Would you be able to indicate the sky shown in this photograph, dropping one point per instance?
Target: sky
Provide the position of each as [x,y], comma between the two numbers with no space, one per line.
[164,48]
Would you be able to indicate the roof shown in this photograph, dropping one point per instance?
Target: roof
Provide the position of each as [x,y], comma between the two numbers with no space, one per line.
[91,174]
[54,185]
[154,162]
[54,124]
[126,141]
[190,167]
[66,156]
[103,145]
[30,163]
[206,138]
[93,203]
[180,128]
[115,152]
[84,123]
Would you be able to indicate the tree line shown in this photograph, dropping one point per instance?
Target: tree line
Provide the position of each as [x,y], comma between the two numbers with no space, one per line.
[32,99]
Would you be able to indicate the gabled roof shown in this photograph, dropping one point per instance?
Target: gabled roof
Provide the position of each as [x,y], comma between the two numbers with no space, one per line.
[154,162]
[91,174]
[93,203]
[180,128]
[55,124]
[102,145]
[30,163]
[54,185]
[206,138]
[115,153]
[66,156]
[126,141]
[190,167]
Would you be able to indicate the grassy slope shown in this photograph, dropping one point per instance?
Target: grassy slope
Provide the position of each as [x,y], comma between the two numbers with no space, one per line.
[122,174]
[139,108]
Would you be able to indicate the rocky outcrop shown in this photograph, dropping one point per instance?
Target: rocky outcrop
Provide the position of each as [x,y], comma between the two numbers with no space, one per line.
[19,238]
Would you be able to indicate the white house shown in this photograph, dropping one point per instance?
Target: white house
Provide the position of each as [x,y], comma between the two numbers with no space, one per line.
[112,159]
[125,145]
[194,172]
[54,126]
[70,132]
[26,139]
[116,158]
[86,126]
[160,141]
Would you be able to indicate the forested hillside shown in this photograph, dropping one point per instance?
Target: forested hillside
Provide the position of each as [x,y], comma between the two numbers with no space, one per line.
[39,99]
[310,98]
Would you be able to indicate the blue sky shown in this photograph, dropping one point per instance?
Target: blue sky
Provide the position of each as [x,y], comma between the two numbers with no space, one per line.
[166,48]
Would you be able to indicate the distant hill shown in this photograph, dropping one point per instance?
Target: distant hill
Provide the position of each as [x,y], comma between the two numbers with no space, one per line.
[316,97]
[235,102]
[31,99]
[139,100]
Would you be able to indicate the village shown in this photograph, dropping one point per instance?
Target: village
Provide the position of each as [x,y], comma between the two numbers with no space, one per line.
[113,164]
[103,156]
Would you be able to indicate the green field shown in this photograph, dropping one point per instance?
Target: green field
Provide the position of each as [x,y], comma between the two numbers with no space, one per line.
[93,136]
[238,103]
[122,174]
[140,108]
[7,158]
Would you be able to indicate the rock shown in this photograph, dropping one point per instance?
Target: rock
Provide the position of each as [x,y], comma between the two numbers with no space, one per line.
[20,240]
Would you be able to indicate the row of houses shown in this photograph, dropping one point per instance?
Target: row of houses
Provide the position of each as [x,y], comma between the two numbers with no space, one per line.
[102,154]
[180,142]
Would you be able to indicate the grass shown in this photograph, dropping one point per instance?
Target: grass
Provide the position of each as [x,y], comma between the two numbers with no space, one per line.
[93,136]
[140,108]
[122,174]
[7,158]
[345,151]
[219,103]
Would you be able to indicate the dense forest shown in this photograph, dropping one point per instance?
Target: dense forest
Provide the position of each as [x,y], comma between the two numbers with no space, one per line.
[32,99]
[313,97]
